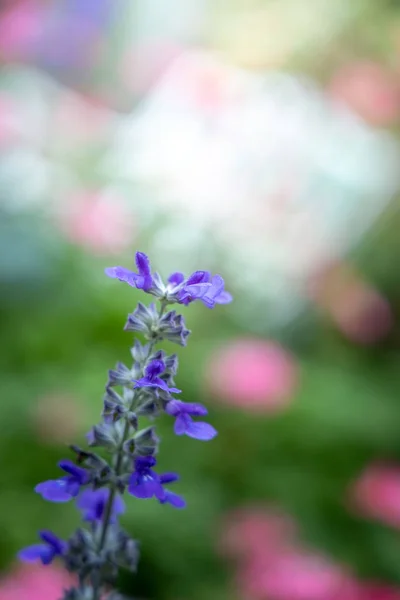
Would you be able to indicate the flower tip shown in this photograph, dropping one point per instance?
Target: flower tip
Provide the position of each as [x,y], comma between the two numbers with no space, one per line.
[28,555]
[142,263]
[226,298]
[110,272]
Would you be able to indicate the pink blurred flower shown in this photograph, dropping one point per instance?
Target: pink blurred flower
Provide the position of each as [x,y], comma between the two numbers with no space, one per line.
[209,89]
[253,373]
[376,493]
[20,29]
[99,222]
[292,575]
[34,582]
[363,315]
[255,530]
[370,90]
[272,564]
[371,591]
[357,309]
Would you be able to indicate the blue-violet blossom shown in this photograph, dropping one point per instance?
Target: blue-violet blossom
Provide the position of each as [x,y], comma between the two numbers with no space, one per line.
[152,379]
[146,483]
[64,488]
[92,504]
[184,424]
[200,285]
[45,552]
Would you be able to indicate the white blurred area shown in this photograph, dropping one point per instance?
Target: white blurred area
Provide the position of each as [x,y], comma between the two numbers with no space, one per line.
[285,181]
[256,169]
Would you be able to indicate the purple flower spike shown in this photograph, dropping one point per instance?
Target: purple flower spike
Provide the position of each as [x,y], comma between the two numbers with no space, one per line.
[144,482]
[184,424]
[142,280]
[92,503]
[152,379]
[45,552]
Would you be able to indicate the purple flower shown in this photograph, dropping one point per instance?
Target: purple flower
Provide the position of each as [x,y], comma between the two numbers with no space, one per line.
[216,294]
[144,482]
[184,424]
[142,280]
[64,488]
[45,552]
[170,497]
[201,286]
[194,287]
[171,365]
[151,379]
[92,503]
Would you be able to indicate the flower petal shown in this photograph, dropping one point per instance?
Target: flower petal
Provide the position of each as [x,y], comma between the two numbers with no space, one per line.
[73,487]
[168,478]
[155,368]
[224,297]
[144,283]
[146,487]
[175,500]
[54,490]
[35,553]
[78,473]
[172,390]
[198,277]
[201,431]
[176,278]
[181,424]
[52,540]
[118,505]
[143,264]
[194,409]
[122,274]
[173,407]
[197,290]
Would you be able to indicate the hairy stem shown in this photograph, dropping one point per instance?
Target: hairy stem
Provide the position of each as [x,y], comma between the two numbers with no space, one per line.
[113,488]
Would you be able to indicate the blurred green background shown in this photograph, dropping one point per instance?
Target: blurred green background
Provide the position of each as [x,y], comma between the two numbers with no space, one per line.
[300,374]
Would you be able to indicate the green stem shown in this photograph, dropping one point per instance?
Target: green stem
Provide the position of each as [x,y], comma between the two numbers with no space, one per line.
[118,466]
